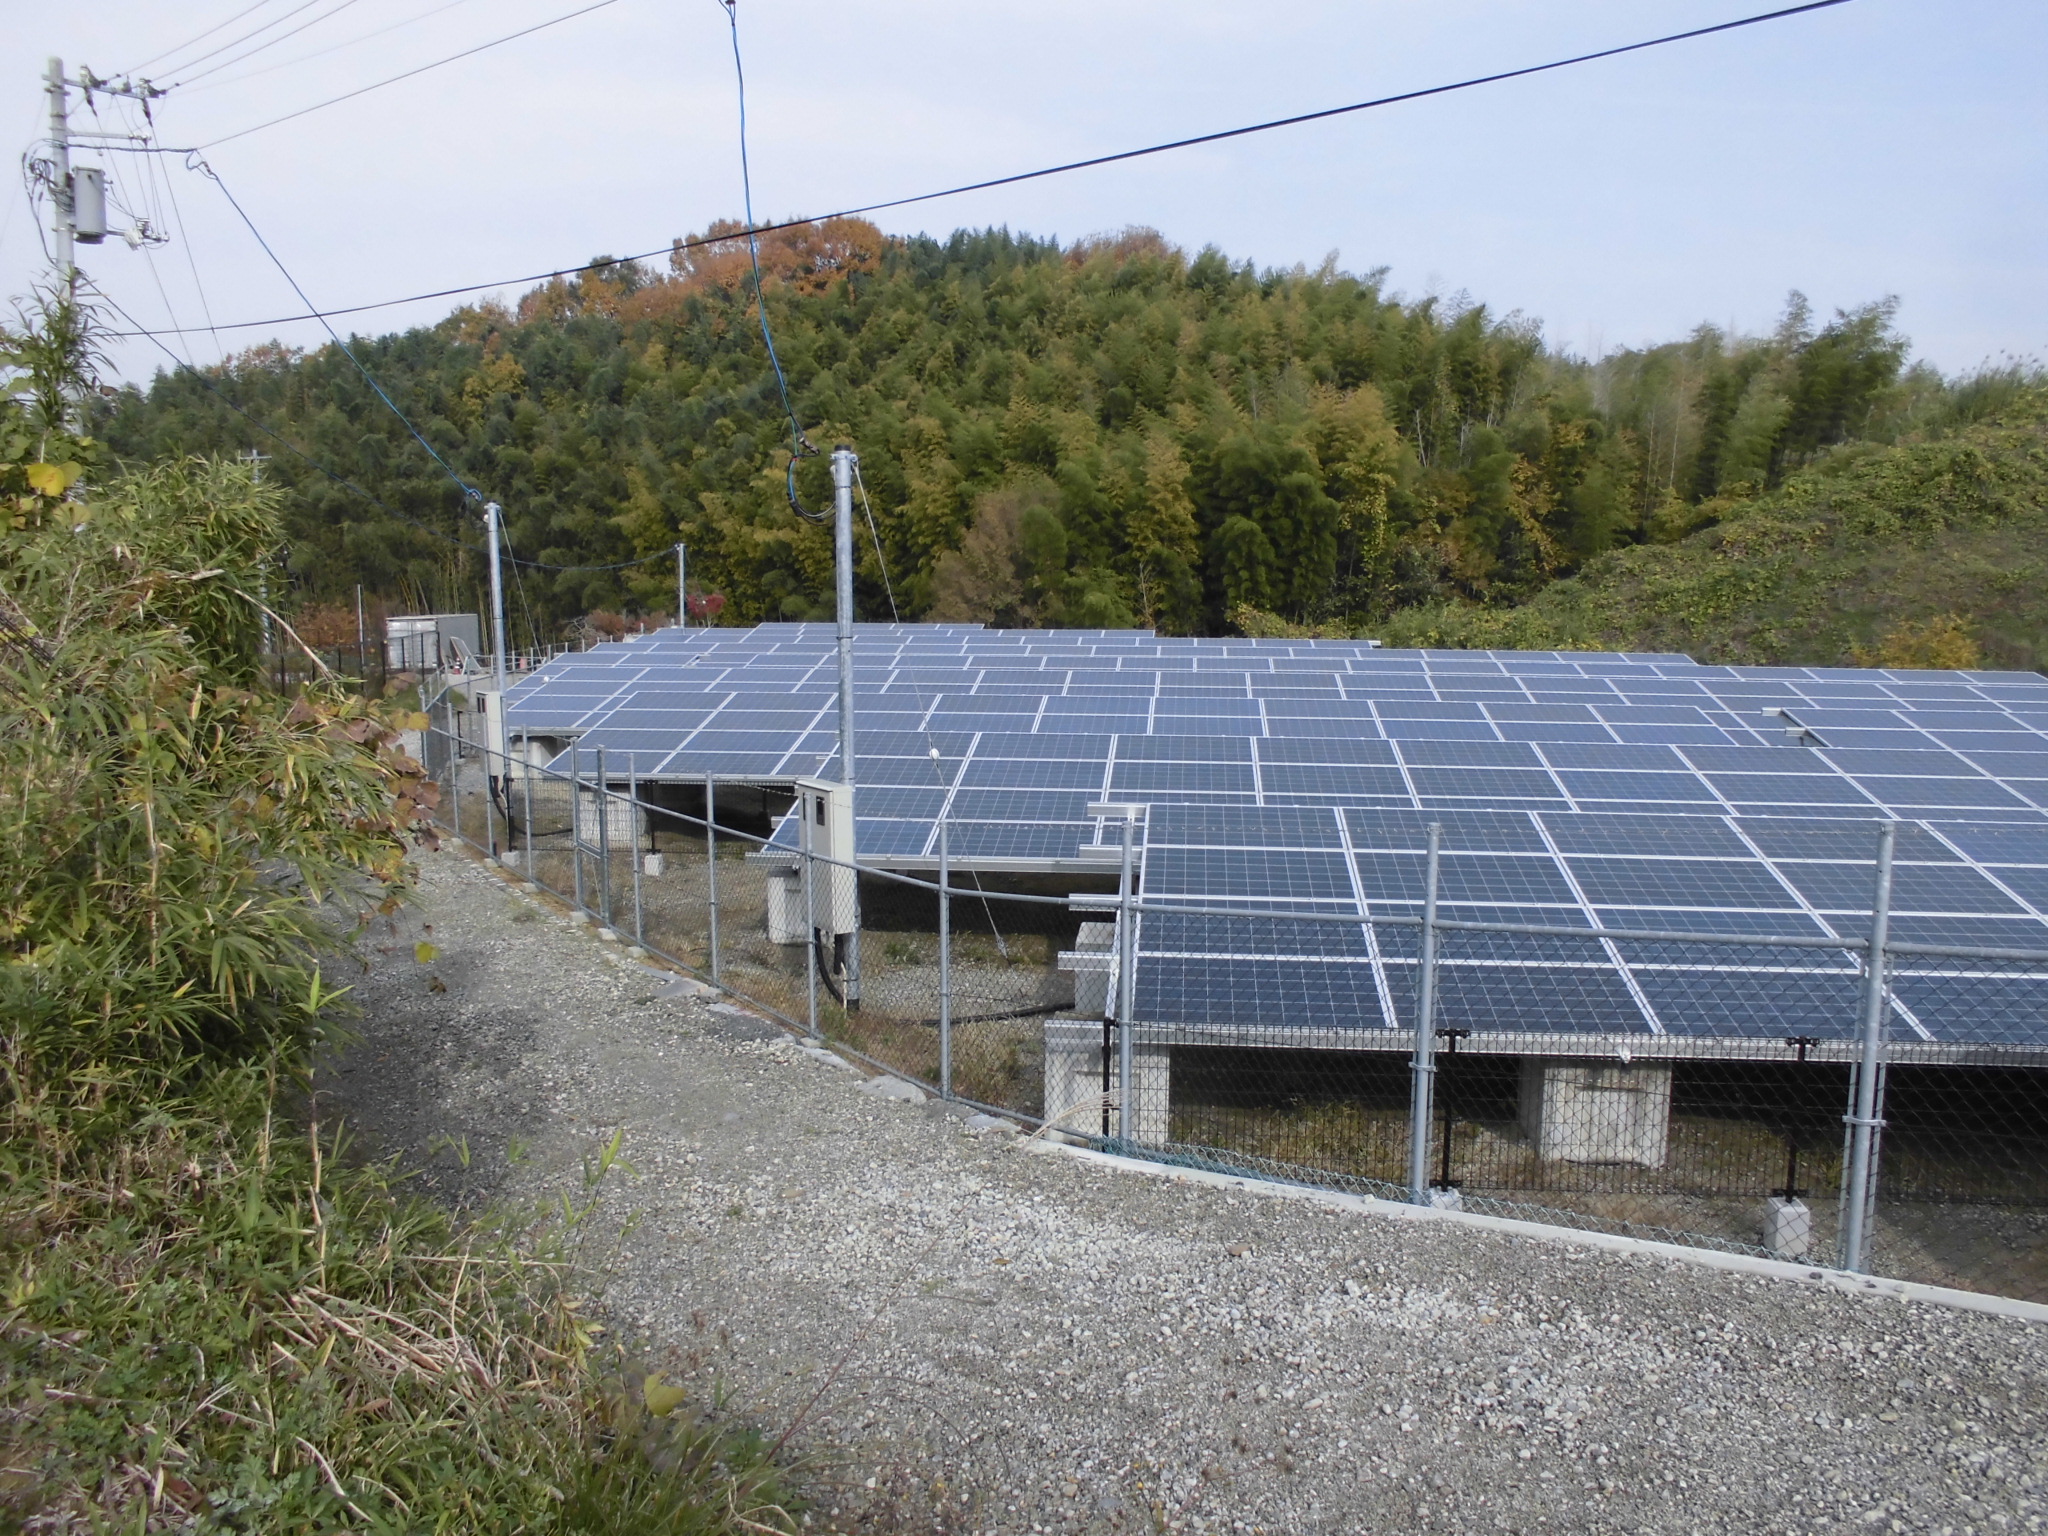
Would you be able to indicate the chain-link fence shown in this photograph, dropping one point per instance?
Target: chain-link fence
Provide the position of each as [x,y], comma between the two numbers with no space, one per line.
[1786,1102]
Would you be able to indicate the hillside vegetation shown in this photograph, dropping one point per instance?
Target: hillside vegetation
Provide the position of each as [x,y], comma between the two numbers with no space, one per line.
[1927,554]
[211,1318]
[1101,433]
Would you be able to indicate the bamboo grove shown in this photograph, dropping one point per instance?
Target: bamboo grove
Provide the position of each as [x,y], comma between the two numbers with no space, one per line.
[1102,433]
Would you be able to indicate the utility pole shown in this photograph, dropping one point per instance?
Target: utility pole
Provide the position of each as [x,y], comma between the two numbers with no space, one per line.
[682,587]
[492,517]
[61,206]
[78,198]
[844,463]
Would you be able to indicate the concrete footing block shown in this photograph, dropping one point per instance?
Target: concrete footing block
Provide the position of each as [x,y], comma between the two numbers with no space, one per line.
[1788,1228]
[1578,1111]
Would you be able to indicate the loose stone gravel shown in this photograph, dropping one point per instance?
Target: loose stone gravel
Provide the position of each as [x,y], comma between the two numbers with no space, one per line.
[992,1336]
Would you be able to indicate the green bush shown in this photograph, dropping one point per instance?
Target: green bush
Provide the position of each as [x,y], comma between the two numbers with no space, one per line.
[210,1318]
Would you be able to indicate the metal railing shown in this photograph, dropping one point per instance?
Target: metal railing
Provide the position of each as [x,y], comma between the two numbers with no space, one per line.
[1490,1070]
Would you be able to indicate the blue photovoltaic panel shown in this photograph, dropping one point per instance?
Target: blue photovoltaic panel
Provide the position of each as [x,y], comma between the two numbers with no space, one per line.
[1676,794]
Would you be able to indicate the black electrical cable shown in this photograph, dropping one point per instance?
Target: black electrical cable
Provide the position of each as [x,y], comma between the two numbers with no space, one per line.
[291,447]
[1059,170]
[346,484]
[469,491]
[799,445]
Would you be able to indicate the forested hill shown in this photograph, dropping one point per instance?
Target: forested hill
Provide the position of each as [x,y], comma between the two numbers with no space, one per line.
[1928,554]
[1104,433]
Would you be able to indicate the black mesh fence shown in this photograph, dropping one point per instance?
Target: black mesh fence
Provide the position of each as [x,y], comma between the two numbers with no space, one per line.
[1707,1085]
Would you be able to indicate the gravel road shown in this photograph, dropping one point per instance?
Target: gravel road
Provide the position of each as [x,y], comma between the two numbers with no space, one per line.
[1005,1338]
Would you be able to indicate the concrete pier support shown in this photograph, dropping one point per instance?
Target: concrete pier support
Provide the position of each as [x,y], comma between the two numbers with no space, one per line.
[1576,1111]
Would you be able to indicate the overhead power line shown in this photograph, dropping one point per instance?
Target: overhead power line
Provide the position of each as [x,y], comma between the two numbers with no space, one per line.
[263,47]
[422,69]
[1021,176]
[202,37]
[469,491]
[343,481]
[321,53]
[253,33]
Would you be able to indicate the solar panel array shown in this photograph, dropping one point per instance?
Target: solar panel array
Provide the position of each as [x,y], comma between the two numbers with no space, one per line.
[1575,790]
[1955,883]
[1032,725]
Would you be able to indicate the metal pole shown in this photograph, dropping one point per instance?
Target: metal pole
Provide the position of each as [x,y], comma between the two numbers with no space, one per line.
[803,814]
[945,966]
[1126,936]
[682,587]
[494,523]
[604,841]
[633,810]
[61,206]
[844,462]
[494,813]
[455,784]
[526,832]
[1423,1064]
[1864,1121]
[711,863]
[576,817]
[362,658]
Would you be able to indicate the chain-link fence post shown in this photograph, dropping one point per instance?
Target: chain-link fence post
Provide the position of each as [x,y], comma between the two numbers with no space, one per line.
[711,868]
[526,829]
[453,777]
[1126,936]
[490,843]
[945,966]
[576,820]
[501,800]
[803,817]
[604,842]
[1423,1064]
[1864,1119]
[633,817]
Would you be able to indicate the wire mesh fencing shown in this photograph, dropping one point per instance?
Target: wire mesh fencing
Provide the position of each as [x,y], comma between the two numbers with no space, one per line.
[1721,1085]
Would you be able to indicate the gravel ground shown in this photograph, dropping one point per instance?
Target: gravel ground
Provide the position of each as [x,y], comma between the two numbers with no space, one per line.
[997,1337]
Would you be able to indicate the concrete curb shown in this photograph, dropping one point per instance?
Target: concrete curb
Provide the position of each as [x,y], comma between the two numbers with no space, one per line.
[1704,1258]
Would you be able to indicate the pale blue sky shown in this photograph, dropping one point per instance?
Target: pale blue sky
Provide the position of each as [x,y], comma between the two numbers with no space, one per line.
[1884,146]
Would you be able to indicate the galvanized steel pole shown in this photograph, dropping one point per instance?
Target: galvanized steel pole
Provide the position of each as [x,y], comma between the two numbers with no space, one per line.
[945,965]
[576,818]
[1423,1064]
[803,818]
[492,520]
[844,462]
[604,842]
[682,587]
[1864,1120]
[526,830]
[633,814]
[711,863]
[494,525]
[1127,921]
